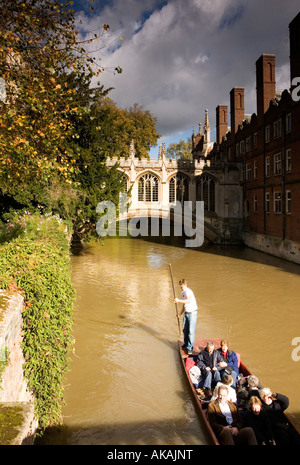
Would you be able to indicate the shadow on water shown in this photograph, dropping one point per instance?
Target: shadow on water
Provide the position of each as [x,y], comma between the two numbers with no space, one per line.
[238,252]
[171,344]
[145,433]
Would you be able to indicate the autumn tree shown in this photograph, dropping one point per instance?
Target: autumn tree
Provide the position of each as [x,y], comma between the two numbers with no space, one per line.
[41,62]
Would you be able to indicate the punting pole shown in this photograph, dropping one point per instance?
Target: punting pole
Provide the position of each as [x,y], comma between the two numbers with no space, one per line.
[176,308]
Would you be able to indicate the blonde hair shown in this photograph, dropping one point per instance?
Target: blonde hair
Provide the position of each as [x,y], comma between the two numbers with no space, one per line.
[255,401]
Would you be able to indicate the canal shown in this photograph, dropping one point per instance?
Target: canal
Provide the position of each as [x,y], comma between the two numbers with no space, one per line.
[126,384]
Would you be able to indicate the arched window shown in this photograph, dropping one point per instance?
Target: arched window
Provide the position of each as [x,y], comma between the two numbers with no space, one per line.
[178,189]
[172,190]
[205,191]
[182,188]
[148,188]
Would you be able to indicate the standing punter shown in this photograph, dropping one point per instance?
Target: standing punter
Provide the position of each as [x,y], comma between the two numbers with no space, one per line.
[189,308]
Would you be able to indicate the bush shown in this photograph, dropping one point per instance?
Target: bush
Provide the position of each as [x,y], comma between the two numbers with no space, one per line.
[36,263]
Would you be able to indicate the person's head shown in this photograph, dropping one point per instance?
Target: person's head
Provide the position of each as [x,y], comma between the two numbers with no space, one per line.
[255,405]
[183,283]
[252,381]
[266,396]
[222,394]
[224,345]
[227,379]
[210,347]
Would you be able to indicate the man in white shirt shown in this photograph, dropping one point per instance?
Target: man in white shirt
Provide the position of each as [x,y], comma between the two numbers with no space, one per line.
[189,308]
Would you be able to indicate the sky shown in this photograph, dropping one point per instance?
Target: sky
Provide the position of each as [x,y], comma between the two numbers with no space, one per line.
[180,57]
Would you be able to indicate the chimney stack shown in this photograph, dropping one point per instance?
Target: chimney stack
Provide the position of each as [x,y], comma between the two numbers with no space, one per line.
[237,108]
[221,122]
[294,27]
[265,83]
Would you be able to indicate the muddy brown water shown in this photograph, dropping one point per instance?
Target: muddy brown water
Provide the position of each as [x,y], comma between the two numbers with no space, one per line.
[126,384]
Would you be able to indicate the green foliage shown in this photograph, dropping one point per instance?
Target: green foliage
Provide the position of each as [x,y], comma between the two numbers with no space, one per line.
[36,264]
[42,62]
[116,128]
[181,150]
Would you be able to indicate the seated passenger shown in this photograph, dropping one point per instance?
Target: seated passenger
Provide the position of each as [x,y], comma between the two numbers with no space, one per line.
[259,421]
[208,361]
[247,388]
[226,423]
[230,361]
[227,380]
[274,405]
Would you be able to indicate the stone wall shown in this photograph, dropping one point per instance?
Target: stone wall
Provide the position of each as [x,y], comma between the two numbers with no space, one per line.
[288,250]
[16,403]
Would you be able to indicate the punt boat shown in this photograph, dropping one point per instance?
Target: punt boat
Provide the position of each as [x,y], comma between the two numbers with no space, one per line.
[201,404]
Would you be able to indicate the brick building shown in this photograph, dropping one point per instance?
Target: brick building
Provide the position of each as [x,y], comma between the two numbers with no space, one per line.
[265,148]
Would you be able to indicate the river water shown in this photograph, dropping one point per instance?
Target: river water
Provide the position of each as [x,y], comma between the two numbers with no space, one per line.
[126,383]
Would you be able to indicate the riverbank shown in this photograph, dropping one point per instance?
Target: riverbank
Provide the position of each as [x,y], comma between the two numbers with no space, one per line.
[35,263]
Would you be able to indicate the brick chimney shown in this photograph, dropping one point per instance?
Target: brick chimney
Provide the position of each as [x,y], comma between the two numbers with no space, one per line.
[221,122]
[295,47]
[237,108]
[265,83]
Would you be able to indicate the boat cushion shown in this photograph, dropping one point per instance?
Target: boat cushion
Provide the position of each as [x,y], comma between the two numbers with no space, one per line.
[189,363]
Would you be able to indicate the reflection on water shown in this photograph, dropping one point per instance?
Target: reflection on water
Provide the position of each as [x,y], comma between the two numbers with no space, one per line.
[126,384]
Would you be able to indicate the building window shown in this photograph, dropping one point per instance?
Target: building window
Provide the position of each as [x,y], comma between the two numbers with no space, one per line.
[255,140]
[248,172]
[255,203]
[267,162]
[248,144]
[277,128]
[205,191]
[277,202]
[255,170]
[267,202]
[172,190]
[237,150]
[277,163]
[288,202]
[288,160]
[267,134]
[242,147]
[182,188]
[148,188]
[288,123]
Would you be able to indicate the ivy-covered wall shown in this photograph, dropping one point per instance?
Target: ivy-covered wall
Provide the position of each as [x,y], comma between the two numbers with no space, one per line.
[35,262]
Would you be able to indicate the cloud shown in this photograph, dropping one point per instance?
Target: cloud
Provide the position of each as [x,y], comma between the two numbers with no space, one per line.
[180,57]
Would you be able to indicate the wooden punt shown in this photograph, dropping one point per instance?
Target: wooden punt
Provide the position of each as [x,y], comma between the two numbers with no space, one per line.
[201,404]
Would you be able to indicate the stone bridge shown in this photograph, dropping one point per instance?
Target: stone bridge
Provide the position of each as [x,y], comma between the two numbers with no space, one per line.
[155,187]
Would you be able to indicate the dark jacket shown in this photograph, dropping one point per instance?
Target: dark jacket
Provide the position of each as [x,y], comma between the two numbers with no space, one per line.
[205,359]
[260,424]
[231,360]
[276,409]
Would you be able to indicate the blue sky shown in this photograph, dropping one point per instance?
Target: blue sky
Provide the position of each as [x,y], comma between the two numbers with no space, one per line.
[180,57]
